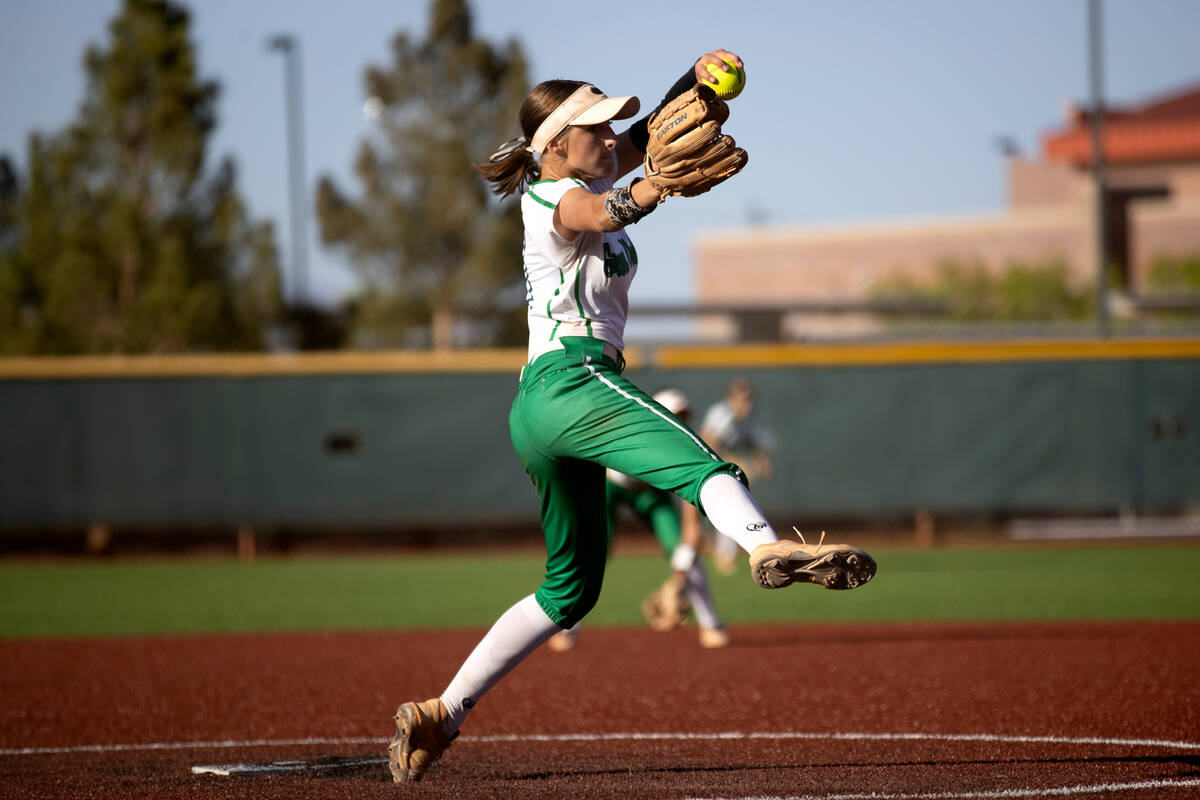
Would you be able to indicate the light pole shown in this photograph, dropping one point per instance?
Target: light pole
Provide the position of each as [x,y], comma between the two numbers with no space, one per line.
[1095,74]
[290,47]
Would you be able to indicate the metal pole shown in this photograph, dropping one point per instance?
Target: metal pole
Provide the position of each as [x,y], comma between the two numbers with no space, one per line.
[290,47]
[1095,72]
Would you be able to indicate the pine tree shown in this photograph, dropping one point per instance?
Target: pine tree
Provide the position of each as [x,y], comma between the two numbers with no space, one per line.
[438,257]
[17,334]
[118,240]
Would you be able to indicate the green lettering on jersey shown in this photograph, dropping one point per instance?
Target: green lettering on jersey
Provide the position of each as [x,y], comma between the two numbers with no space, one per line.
[619,264]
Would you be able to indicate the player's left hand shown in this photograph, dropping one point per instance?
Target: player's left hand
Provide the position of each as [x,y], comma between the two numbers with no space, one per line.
[687,154]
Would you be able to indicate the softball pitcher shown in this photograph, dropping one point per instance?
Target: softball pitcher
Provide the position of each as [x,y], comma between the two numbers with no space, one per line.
[574,415]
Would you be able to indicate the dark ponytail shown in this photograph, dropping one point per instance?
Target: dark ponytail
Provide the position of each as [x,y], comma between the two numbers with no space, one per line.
[513,167]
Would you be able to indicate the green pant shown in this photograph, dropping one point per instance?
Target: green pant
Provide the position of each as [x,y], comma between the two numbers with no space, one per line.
[574,416]
[656,508]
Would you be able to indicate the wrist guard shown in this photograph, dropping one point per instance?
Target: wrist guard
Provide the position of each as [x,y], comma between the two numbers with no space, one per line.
[622,208]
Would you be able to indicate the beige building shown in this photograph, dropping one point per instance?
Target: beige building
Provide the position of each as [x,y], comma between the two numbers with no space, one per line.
[1152,156]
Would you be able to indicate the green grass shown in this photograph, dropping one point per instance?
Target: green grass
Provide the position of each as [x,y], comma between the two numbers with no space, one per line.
[342,593]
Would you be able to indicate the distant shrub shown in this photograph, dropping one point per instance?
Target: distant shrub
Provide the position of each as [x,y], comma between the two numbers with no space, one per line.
[1038,292]
[1169,274]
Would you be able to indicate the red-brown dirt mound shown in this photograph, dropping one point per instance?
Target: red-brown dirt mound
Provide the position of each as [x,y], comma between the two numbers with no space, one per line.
[786,711]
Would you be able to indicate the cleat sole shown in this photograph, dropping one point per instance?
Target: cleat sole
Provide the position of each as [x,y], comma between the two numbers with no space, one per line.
[838,569]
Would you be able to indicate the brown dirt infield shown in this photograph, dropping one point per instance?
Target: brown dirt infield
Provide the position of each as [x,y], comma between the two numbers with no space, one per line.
[849,711]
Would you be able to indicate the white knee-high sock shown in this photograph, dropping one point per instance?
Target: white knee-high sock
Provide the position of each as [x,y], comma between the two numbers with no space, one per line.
[732,511]
[517,633]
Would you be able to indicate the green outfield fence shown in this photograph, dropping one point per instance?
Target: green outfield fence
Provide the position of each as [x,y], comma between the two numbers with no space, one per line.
[393,440]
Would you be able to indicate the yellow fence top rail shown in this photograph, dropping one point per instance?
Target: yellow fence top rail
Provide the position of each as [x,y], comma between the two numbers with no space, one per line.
[665,357]
[923,352]
[262,364]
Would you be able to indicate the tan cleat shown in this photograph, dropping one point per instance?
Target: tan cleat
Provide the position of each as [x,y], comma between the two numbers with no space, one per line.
[420,739]
[834,566]
[713,638]
[563,641]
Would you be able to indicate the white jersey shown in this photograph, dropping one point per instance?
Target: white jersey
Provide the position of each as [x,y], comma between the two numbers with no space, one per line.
[576,288]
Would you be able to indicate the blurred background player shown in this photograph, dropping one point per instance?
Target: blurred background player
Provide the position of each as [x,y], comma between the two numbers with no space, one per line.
[733,428]
[676,526]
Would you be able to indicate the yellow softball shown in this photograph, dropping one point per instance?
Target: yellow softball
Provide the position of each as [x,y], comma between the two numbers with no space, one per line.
[729,84]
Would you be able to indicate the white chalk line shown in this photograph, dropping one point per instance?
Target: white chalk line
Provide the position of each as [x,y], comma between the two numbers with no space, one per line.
[1049,791]
[607,737]
[945,737]
[285,767]
[227,744]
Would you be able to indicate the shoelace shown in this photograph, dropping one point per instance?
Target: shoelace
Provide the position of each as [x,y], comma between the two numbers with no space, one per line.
[801,535]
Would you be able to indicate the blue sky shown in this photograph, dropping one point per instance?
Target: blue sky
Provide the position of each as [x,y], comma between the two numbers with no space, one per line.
[854,110]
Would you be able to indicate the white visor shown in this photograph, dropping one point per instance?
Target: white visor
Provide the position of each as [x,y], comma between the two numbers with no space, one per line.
[587,105]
